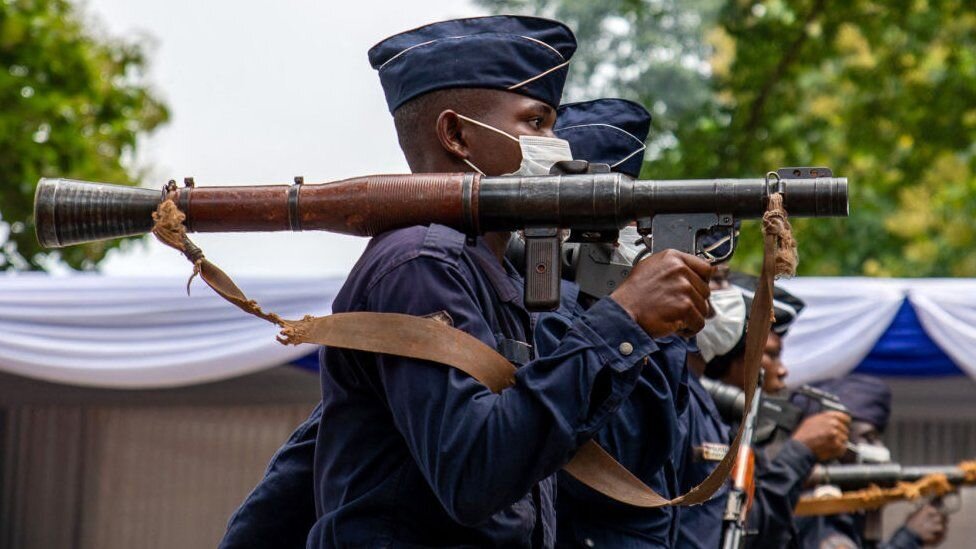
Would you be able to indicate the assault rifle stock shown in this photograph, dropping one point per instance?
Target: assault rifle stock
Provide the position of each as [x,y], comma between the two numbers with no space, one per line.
[743,488]
[868,488]
[594,205]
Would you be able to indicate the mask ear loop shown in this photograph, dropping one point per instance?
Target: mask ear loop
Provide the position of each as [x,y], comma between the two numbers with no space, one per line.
[473,167]
[486,126]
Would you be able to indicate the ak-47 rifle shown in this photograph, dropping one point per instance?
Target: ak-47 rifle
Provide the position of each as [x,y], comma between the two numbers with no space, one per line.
[871,487]
[857,476]
[668,214]
[742,491]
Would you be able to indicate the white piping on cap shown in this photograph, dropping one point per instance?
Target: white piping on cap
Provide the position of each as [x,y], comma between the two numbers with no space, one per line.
[538,76]
[611,126]
[533,40]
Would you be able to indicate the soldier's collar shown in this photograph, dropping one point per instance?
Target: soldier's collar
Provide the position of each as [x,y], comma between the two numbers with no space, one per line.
[499,274]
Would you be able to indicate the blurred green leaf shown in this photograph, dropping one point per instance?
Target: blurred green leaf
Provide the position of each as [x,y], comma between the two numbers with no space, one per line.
[72,104]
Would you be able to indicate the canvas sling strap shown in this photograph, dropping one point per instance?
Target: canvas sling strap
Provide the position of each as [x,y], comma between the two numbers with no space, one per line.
[875,497]
[427,339]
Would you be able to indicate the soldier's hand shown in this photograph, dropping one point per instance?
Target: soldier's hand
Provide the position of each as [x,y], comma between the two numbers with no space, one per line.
[929,524]
[825,434]
[667,293]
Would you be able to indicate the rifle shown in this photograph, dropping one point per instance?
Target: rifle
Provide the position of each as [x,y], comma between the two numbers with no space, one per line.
[595,205]
[776,412]
[743,479]
[857,476]
[879,484]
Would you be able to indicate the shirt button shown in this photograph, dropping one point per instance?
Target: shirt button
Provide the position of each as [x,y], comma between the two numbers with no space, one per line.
[626,348]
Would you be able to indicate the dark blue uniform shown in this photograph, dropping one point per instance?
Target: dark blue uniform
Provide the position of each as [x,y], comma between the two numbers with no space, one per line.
[609,131]
[868,399]
[414,452]
[280,510]
[779,478]
[778,482]
[642,435]
[699,527]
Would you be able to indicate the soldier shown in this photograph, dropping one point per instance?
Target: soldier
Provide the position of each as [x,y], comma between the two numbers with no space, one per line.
[705,434]
[643,433]
[418,453]
[280,510]
[779,478]
[868,399]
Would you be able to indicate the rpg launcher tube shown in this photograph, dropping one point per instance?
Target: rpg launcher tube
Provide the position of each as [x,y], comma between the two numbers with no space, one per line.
[70,212]
[857,476]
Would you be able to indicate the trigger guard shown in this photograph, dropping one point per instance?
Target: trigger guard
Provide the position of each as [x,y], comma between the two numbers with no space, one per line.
[730,238]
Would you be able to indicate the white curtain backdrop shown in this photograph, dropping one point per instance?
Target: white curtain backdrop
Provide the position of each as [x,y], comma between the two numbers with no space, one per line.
[146,332]
[845,317]
[947,311]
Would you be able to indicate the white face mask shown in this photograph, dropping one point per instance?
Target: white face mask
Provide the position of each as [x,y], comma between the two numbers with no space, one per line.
[538,153]
[629,244]
[872,453]
[723,330]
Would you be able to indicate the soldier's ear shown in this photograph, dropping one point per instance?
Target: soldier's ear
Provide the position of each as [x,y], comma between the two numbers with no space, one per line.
[451,133]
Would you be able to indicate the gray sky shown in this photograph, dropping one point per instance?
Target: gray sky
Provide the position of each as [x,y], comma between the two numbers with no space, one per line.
[261,92]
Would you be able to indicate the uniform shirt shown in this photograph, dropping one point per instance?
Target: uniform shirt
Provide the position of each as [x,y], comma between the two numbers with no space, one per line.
[845,532]
[700,526]
[778,482]
[415,453]
[642,436]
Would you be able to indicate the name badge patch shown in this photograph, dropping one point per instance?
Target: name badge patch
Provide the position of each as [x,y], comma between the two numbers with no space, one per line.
[711,451]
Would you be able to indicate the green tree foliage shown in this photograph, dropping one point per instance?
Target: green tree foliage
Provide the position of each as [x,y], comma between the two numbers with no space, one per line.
[653,53]
[882,92]
[72,104]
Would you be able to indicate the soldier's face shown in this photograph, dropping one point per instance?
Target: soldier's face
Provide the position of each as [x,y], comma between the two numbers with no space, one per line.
[864,434]
[516,115]
[862,431]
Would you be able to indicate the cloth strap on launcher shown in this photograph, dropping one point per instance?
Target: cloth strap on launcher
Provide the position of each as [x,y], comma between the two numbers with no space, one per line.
[428,339]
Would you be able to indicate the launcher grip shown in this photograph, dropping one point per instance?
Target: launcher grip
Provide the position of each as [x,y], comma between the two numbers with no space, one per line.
[543,269]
